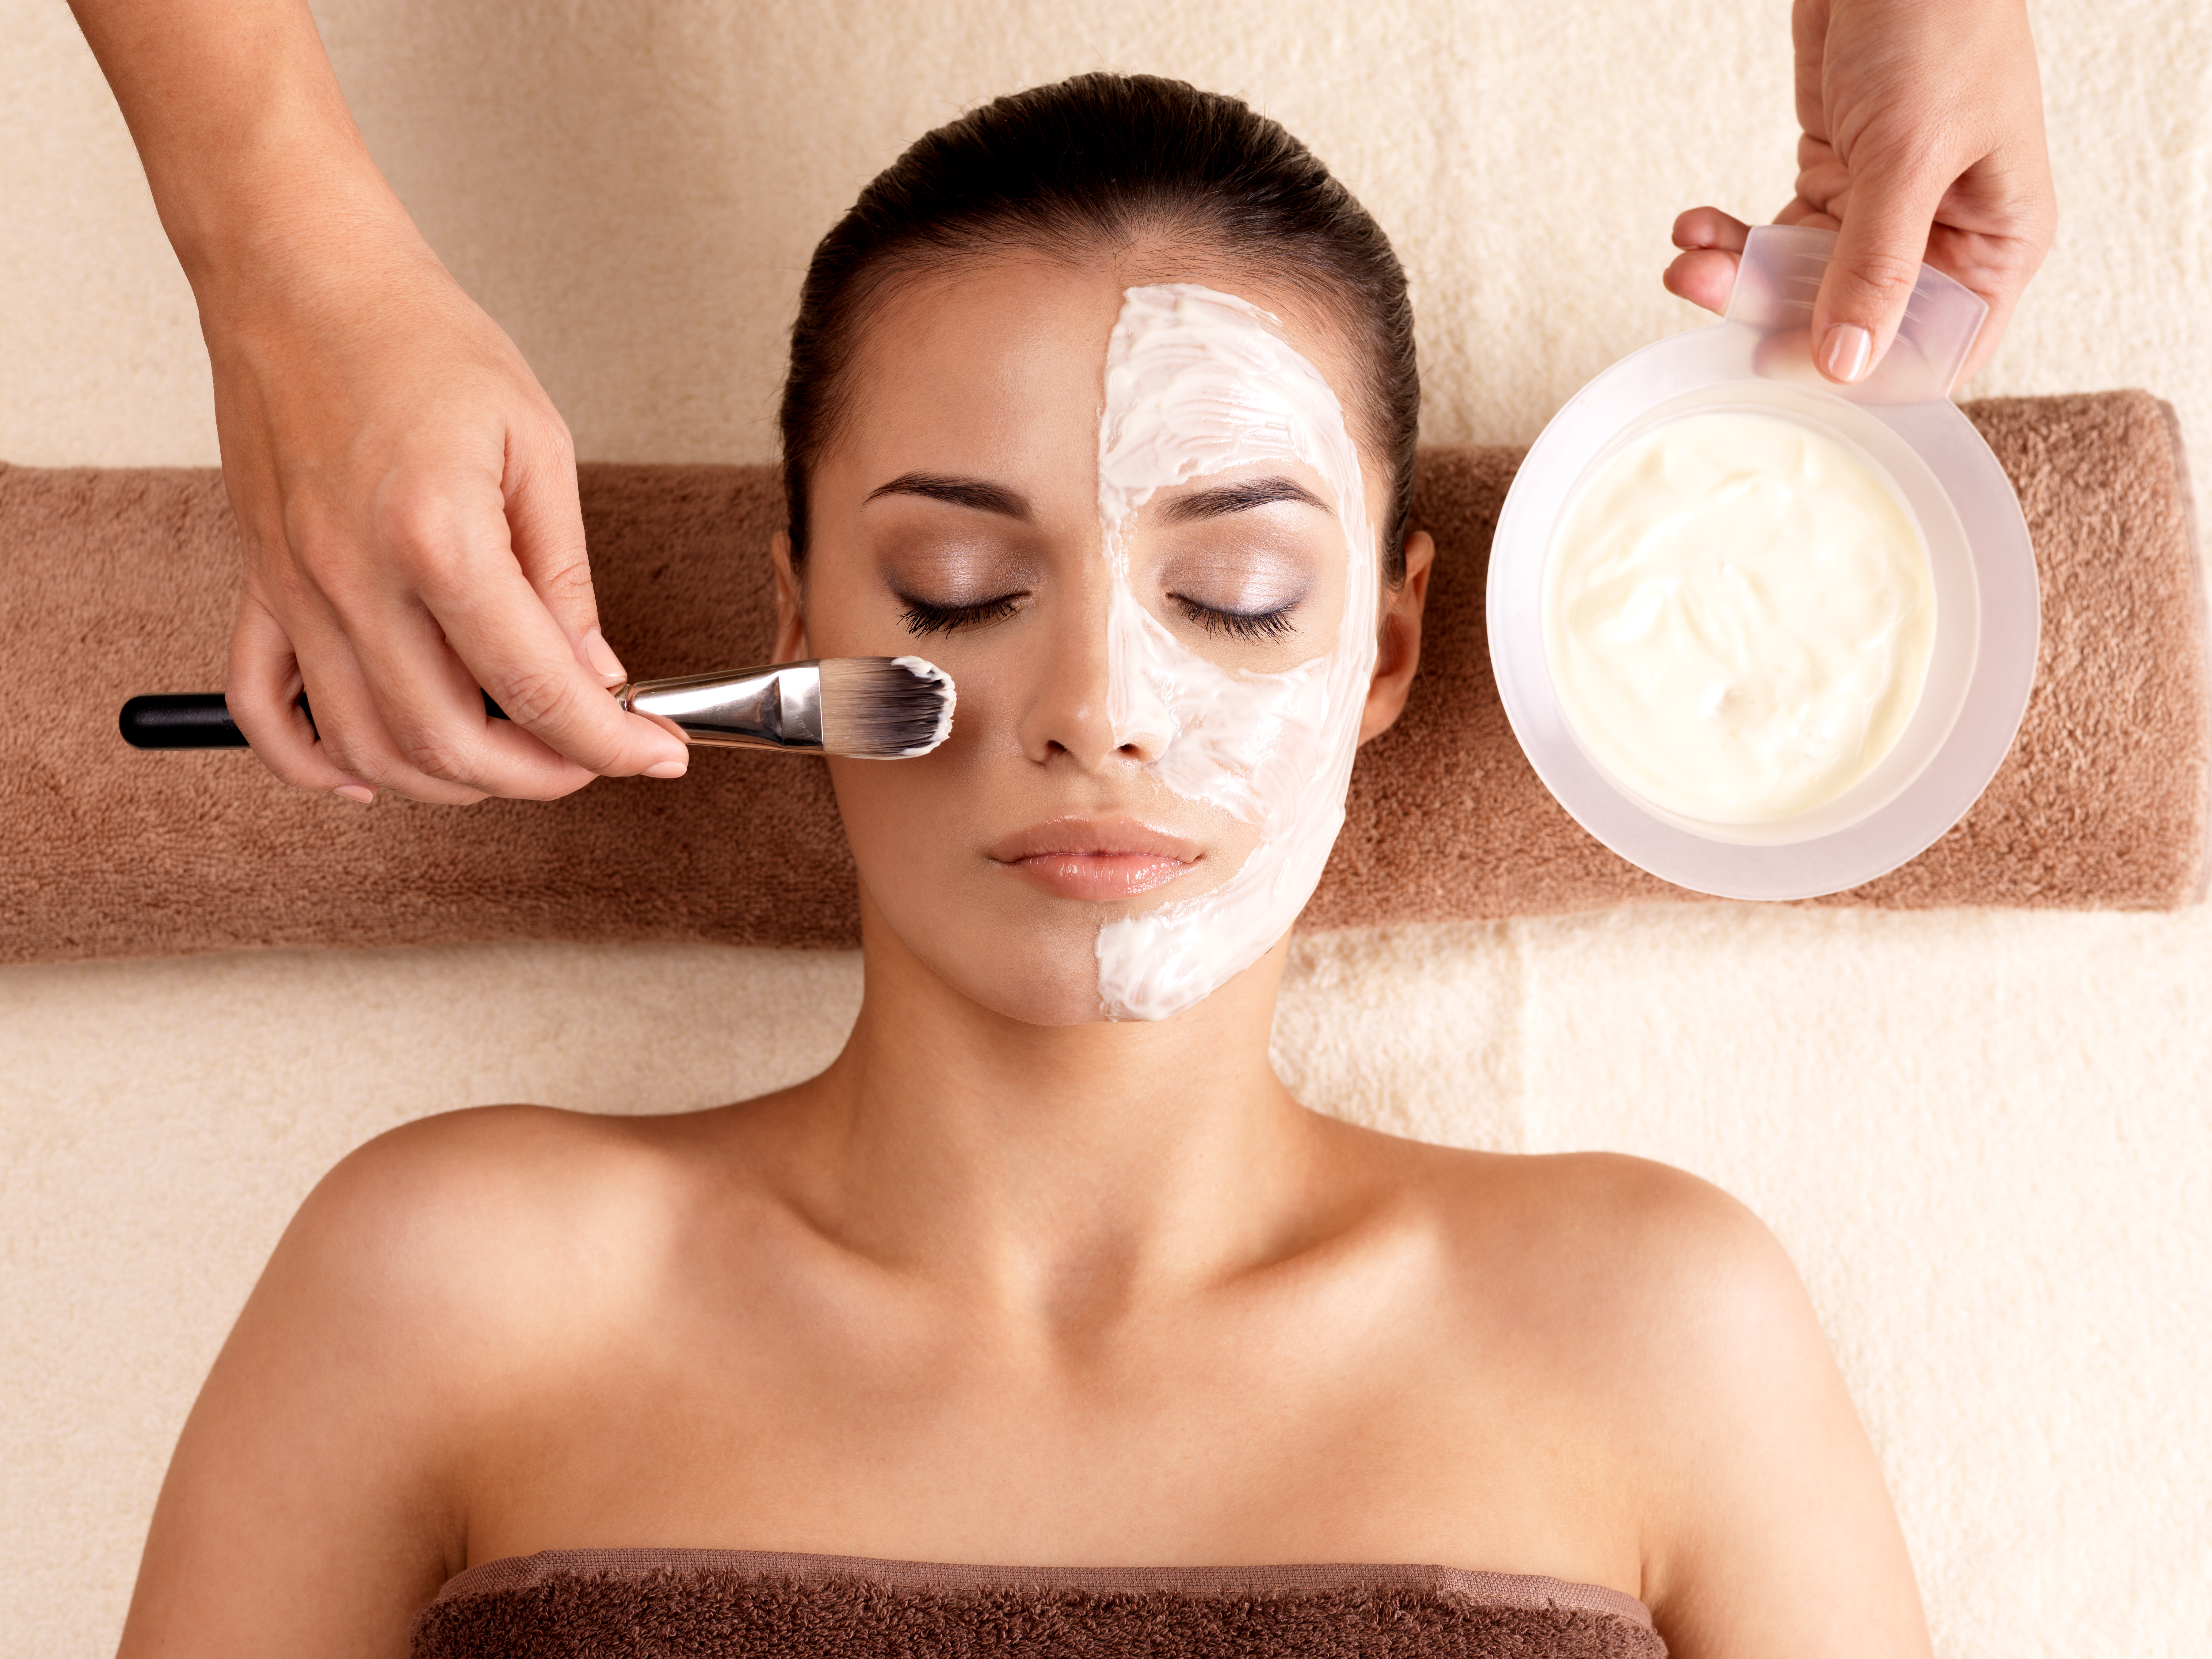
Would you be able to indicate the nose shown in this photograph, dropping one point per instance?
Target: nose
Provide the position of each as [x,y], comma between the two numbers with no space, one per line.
[1079,705]
[1143,723]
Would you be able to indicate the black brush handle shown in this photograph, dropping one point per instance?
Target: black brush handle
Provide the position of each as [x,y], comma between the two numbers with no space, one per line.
[189,721]
[198,719]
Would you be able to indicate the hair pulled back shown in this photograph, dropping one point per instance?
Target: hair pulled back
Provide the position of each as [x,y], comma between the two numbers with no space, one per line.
[1086,167]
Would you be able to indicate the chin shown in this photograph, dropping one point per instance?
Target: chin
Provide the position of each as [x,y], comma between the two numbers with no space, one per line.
[1039,975]
[1035,1003]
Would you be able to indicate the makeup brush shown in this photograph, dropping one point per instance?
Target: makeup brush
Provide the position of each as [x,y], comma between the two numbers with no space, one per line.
[873,707]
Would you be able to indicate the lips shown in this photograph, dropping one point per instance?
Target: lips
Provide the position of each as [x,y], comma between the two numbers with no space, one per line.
[1096,858]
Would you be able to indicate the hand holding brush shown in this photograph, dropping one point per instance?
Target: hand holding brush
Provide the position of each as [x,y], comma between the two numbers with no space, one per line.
[870,708]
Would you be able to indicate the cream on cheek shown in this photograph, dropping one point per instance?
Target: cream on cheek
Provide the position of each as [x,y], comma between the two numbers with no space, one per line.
[1197,382]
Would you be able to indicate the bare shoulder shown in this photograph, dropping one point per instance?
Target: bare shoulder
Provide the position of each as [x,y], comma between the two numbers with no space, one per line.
[1678,1302]
[442,1232]
[489,1191]
[460,1254]
[430,1277]
[1632,1284]
[1668,1257]
[1675,1319]
[1643,1244]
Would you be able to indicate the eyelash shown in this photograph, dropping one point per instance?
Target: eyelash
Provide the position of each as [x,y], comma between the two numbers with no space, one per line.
[922,617]
[1243,625]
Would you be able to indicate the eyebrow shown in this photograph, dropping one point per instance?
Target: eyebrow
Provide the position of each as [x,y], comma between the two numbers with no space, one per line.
[977,493]
[1238,497]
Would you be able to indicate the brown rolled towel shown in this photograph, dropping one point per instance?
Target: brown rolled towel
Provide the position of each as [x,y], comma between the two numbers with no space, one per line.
[691,1604]
[125,581]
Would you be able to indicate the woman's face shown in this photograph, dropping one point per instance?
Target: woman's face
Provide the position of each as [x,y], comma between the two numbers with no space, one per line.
[1131,525]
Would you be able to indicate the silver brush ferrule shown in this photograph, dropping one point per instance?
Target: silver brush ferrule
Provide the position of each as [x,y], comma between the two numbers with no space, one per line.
[776,708]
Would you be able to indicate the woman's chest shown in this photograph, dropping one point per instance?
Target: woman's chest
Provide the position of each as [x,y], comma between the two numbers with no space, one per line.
[1247,1442]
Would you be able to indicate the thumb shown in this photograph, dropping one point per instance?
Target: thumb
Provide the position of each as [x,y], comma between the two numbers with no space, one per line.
[545,523]
[1880,246]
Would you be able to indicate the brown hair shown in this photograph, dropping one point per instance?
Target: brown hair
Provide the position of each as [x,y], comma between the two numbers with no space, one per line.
[1102,162]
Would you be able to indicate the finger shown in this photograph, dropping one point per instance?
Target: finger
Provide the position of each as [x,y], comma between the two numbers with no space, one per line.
[453,611]
[262,690]
[495,623]
[1997,268]
[1709,227]
[1705,273]
[393,706]
[545,529]
[356,736]
[351,730]
[1705,277]
[396,705]
[1879,250]
[1823,180]
[1802,212]
[2002,305]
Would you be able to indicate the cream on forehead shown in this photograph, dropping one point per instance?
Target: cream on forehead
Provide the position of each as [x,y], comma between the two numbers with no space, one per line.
[1197,382]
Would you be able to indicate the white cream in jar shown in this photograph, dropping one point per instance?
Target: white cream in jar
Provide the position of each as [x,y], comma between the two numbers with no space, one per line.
[1738,617]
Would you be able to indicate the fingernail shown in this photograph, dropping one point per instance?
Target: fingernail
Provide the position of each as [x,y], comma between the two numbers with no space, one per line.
[1845,350]
[601,656]
[667,769]
[359,792]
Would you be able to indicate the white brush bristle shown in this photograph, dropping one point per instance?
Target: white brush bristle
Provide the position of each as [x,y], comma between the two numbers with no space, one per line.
[884,707]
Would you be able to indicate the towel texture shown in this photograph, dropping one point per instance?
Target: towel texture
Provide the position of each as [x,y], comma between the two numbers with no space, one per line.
[124,581]
[675,1604]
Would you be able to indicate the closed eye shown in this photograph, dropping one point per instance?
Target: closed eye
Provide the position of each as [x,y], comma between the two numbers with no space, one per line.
[922,617]
[1239,625]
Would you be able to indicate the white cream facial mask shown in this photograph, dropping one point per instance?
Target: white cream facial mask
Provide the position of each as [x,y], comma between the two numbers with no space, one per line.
[1738,615]
[1197,382]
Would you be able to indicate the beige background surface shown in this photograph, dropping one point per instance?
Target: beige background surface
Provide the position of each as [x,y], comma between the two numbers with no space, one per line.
[1984,1135]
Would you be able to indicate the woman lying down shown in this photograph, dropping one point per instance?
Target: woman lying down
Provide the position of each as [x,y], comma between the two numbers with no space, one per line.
[1045,1320]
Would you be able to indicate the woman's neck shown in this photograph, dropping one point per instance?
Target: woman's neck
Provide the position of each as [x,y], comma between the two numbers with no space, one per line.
[1070,1172]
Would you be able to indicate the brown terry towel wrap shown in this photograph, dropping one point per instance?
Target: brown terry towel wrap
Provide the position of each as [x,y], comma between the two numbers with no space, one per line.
[690,1604]
[122,582]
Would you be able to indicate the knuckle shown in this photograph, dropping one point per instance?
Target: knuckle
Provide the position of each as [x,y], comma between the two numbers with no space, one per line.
[246,694]
[560,443]
[319,532]
[348,759]
[424,528]
[532,694]
[436,756]
[418,527]
[569,582]
[360,756]
[297,592]
[1878,278]
[263,547]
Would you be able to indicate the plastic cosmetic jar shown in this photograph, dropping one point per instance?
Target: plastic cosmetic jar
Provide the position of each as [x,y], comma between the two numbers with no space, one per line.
[1898,434]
